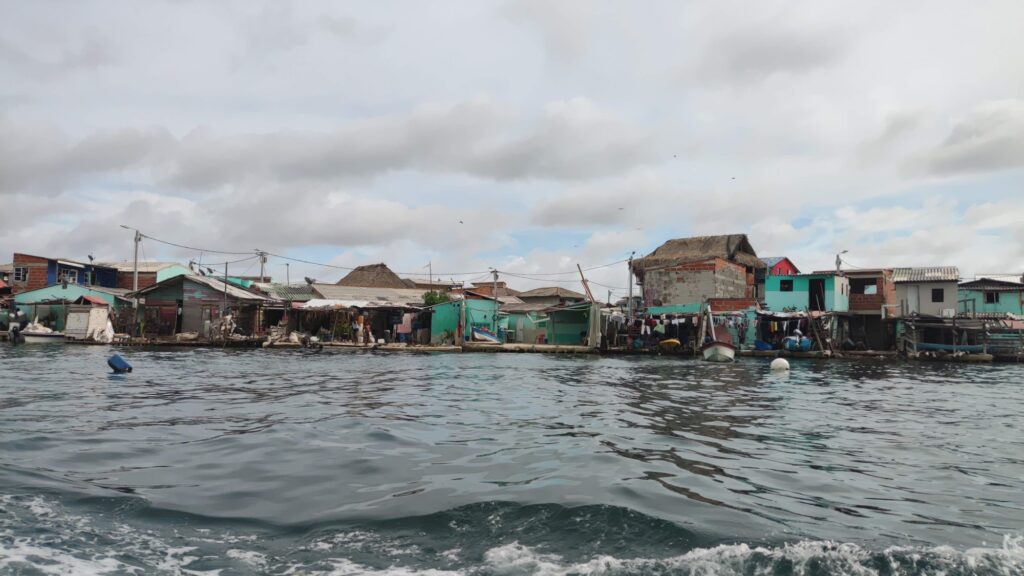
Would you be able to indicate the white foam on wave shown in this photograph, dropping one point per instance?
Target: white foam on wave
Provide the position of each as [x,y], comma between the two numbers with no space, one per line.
[68,544]
[726,560]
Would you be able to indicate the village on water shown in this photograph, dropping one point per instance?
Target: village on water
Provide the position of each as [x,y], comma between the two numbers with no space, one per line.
[707,296]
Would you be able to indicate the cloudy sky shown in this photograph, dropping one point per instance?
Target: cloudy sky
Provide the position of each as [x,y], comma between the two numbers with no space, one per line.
[526,135]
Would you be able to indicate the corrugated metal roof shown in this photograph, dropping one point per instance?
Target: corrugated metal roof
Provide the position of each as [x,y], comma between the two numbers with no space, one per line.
[144,267]
[992,285]
[932,274]
[79,264]
[551,291]
[293,293]
[501,299]
[215,283]
[406,297]
[218,284]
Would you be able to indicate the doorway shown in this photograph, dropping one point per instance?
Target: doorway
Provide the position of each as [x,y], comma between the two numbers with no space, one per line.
[816,294]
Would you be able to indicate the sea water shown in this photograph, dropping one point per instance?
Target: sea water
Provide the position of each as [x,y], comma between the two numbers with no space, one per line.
[227,462]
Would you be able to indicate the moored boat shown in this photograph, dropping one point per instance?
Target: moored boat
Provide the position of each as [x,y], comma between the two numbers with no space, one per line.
[718,347]
[36,333]
[42,337]
[485,335]
[718,352]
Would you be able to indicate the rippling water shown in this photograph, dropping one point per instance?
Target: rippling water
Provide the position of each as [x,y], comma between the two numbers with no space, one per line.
[290,462]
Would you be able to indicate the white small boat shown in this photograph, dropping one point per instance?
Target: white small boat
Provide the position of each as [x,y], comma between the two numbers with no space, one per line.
[719,348]
[718,352]
[36,333]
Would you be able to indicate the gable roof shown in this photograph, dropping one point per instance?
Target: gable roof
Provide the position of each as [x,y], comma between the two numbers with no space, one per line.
[372,276]
[771,261]
[732,247]
[217,284]
[551,291]
[502,298]
[992,284]
[933,274]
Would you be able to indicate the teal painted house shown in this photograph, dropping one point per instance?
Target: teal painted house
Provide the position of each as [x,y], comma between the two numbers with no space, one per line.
[825,292]
[50,304]
[444,324]
[991,296]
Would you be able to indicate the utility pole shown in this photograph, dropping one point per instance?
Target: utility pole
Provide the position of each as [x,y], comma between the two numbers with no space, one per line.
[461,336]
[224,308]
[494,293]
[263,261]
[287,273]
[135,279]
[430,266]
[629,301]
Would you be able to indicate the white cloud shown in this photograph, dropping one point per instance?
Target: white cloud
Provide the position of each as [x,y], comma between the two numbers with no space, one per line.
[344,132]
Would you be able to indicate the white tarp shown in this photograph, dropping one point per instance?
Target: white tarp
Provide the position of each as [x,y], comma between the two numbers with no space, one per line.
[325,304]
[87,324]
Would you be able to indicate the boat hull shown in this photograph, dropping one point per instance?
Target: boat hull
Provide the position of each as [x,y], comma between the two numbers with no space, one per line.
[718,352]
[49,338]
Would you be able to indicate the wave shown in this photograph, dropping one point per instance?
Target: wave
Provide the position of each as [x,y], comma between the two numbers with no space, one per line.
[39,535]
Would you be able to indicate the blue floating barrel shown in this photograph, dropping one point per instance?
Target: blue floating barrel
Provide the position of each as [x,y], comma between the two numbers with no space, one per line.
[118,365]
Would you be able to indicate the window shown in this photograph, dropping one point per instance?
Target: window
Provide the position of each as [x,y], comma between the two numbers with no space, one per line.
[785,285]
[69,276]
[21,274]
[991,297]
[90,277]
[938,295]
[863,286]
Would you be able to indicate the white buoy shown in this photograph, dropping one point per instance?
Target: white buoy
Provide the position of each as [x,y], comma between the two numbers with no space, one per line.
[780,365]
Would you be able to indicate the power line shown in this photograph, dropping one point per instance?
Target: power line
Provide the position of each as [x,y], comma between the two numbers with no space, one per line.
[256,254]
[192,247]
[574,271]
[335,266]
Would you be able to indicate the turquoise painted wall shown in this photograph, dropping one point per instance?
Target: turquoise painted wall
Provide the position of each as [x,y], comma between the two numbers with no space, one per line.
[171,272]
[777,300]
[1009,302]
[527,326]
[565,326]
[479,313]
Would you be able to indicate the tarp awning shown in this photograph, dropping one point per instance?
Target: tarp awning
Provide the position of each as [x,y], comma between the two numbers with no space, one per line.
[331,304]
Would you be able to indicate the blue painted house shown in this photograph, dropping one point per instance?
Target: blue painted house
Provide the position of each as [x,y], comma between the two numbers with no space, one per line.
[33,272]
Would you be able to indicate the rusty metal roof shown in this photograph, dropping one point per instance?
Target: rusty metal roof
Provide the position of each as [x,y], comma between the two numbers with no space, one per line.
[932,274]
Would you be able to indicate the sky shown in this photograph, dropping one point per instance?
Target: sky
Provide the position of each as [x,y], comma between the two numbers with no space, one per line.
[526,136]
